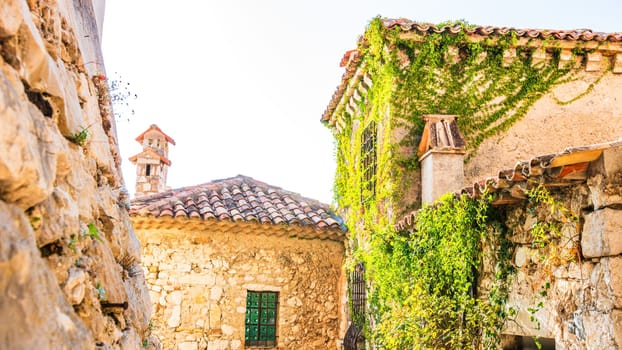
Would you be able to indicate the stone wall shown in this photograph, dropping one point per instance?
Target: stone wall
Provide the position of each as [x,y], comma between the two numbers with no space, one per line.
[198,281]
[69,261]
[582,308]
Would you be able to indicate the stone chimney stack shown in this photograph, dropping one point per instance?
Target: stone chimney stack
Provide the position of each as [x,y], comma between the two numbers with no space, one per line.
[152,163]
[441,153]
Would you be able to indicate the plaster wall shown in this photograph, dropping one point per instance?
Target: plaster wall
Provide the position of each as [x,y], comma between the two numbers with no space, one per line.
[550,127]
[198,282]
[441,172]
[594,116]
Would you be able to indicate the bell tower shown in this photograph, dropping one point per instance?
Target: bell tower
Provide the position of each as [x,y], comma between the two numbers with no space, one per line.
[152,163]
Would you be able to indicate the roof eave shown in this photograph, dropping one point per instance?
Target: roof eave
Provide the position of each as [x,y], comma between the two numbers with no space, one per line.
[187,225]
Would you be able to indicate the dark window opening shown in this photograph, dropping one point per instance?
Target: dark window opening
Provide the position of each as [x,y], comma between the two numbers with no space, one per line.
[261,315]
[148,170]
[368,162]
[518,342]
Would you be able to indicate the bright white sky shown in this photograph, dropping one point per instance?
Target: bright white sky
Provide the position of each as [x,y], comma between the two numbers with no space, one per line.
[241,84]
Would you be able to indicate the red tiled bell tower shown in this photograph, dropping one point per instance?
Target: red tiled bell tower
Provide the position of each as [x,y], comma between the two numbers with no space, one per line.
[152,163]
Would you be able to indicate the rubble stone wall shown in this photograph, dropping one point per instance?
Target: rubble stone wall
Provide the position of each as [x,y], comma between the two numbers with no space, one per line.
[199,280]
[582,308]
[69,261]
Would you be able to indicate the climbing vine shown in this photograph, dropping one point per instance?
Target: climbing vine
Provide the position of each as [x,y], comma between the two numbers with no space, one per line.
[423,283]
[448,74]
[434,73]
[551,217]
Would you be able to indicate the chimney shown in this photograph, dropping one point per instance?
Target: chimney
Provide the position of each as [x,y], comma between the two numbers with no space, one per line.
[152,163]
[441,153]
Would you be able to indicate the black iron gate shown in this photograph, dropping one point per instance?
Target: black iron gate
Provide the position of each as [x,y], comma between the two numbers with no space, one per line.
[354,339]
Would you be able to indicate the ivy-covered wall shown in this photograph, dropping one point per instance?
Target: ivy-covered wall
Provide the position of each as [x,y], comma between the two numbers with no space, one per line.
[516,97]
[470,275]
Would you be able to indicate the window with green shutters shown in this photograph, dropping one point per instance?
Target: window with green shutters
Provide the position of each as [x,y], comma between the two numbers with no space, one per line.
[261,313]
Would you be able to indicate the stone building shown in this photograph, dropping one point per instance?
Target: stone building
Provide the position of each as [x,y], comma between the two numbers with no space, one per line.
[423,110]
[70,274]
[237,263]
[582,306]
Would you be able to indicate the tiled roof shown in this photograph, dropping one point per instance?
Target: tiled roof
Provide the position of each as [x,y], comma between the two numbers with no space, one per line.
[154,127]
[573,34]
[351,54]
[561,169]
[240,200]
[150,153]
[352,59]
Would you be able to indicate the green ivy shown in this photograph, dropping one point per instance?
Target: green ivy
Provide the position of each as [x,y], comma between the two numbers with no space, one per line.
[551,215]
[448,74]
[422,283]
[432,74]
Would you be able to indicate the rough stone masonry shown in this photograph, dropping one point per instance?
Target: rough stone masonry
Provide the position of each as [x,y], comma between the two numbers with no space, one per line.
[69,261]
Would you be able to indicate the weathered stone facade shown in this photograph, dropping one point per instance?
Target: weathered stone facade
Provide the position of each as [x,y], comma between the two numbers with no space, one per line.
[205,247]
[381,85]
[69,261]
[582,308]
[198,282]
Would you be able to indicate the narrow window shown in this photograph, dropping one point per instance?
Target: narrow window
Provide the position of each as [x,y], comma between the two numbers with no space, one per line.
[518,342]
[358,293]
[148,170]
[368,162]
[261,314]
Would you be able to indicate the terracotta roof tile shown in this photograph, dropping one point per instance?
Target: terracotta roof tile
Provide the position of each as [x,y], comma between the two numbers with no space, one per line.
[149,153]
[441,133]
[551,170]
[238,199]
[573,34]
[154,127]
[352,58]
